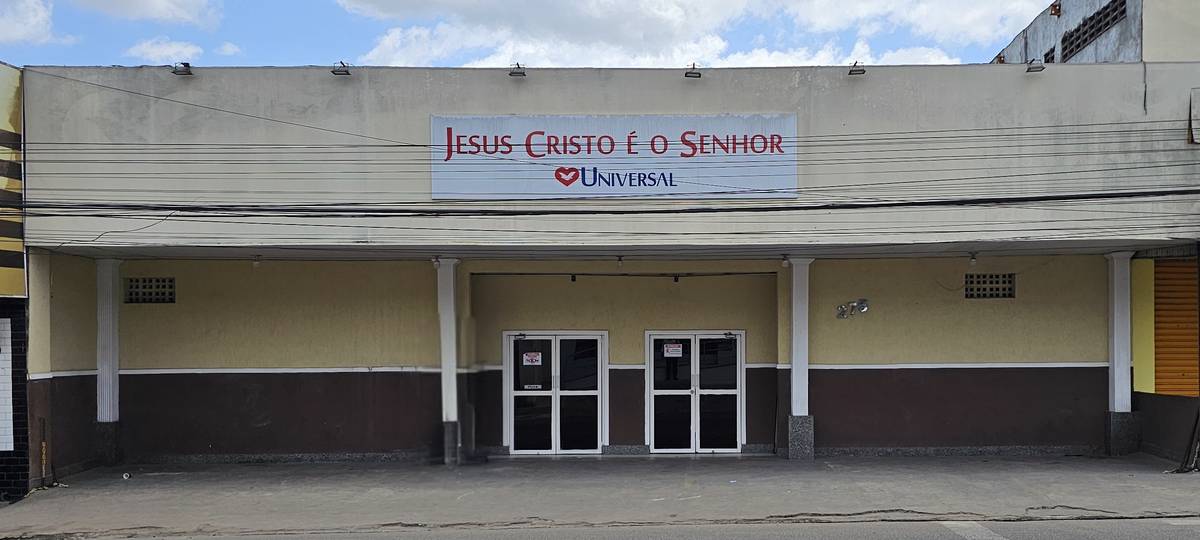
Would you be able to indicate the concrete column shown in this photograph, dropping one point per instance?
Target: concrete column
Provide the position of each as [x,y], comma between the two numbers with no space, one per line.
[1122,434]
[448,325]
[800,423]
[108,349]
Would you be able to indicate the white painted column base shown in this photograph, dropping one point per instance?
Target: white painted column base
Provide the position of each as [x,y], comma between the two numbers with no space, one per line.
[447,279]
[108,364]
[1120,386]
[800,423]
[800,277]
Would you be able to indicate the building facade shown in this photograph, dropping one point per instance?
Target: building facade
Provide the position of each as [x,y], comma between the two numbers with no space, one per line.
[1108,31]
[285,263]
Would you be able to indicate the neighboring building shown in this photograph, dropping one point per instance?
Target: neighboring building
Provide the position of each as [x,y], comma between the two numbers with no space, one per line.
[284,263]
[1109,31]
[14,427]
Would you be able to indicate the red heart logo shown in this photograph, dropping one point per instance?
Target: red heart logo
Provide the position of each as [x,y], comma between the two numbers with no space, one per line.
[566,175]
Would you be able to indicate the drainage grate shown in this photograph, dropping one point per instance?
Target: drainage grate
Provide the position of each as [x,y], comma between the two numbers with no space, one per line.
[150,290]
[990,286]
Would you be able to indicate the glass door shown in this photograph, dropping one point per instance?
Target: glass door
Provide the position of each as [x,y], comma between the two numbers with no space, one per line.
[695,402]
[577,395]
[533,395]
[555,397]
[718,404]
[671,394]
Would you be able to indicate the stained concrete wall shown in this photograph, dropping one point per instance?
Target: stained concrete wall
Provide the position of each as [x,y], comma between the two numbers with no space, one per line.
[1121,43]
[395,104]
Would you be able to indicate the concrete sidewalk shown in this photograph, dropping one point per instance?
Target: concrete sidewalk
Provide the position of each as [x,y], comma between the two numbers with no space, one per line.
[588,492]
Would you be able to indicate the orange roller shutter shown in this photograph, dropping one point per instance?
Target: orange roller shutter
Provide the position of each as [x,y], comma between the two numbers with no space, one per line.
[1176,352]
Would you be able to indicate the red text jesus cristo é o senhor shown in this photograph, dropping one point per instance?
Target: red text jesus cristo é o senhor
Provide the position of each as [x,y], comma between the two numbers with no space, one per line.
[539,144]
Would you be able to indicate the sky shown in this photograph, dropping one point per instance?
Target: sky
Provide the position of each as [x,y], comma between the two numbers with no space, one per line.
[536,33]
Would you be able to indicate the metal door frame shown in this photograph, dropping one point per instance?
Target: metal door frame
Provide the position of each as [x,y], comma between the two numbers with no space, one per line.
[601,392]
[695,336]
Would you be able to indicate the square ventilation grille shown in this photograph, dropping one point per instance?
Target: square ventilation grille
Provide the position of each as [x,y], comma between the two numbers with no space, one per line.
[990,286]
[150,290]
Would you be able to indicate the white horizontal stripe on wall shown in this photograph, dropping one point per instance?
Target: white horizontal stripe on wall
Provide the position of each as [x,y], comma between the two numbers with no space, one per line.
[202,371]
[961,365]
[53,374]
[964,365]
[477,369]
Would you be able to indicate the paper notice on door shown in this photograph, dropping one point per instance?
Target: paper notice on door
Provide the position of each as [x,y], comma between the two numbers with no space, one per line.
[673,350]
[531,359]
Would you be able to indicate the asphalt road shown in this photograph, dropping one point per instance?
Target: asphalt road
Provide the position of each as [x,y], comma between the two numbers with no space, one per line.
[1114,529]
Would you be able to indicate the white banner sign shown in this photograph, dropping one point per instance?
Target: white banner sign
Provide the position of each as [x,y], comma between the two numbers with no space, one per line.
[539,157]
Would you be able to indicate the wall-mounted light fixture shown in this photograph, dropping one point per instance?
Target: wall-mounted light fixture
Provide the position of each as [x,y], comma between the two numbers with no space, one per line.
[849,309]
[1035,66]
[974,258]
[692,73]
[517,70]
[856,69]
[341,68]
[784,262]
[182,68]
[1056,9]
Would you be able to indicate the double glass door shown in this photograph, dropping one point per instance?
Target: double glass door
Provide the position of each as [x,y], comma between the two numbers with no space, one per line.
[554,399]
[695,392]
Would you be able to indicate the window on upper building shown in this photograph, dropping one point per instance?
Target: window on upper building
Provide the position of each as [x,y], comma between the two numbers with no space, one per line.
[1048,58]
[1092,27]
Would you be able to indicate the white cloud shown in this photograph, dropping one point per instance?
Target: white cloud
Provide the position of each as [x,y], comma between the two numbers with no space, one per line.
[29,21]
[917,55]
[205,13]
[956,22]
[228,49]
[161,50]
[674,33]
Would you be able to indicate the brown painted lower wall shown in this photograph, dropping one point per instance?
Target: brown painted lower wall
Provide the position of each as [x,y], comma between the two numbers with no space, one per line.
[1166,423]
[292,413]
[62,412]
[762,395]
[965,407]
[627,407]
[486,404]
[353,413]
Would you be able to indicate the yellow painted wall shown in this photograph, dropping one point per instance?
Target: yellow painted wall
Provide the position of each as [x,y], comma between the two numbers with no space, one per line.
[62,313]
[284,314]
[39,312]
[918,313]
[625,306]
[1142,320]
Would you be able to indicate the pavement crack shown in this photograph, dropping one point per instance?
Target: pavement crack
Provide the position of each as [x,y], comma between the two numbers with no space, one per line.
[1068,507]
